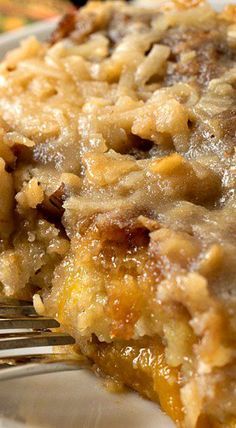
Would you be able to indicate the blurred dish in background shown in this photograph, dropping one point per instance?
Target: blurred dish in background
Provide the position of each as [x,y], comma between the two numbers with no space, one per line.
[17,13]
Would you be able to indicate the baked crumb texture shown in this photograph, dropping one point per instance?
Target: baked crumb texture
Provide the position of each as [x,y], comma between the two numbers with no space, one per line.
[117,201]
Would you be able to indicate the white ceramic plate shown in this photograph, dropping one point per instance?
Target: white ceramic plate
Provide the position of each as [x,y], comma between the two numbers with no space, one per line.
[73,400]
[70,399]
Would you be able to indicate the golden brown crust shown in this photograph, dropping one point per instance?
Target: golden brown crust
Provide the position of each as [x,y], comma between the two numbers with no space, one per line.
[64,28]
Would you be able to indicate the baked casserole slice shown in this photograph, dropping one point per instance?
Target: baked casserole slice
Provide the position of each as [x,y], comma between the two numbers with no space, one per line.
[117,195]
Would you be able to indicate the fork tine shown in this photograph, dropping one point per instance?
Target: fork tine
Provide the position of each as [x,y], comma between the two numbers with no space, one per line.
[44,339]
[13,311]
[28,322]
[15,315]
[16,334]
[39,358]
[8,301]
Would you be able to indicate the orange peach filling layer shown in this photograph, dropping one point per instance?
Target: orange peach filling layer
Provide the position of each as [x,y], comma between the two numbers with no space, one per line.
[142,366]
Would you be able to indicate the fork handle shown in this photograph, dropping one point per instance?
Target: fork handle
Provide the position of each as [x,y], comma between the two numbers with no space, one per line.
[32,369]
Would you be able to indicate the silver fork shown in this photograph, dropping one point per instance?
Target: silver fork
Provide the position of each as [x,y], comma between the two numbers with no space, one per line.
[15,315]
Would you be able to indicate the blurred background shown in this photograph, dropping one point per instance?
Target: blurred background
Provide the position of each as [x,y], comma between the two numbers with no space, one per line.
[17,13]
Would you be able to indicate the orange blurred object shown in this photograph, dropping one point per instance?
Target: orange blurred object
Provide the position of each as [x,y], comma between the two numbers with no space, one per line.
[17,13]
